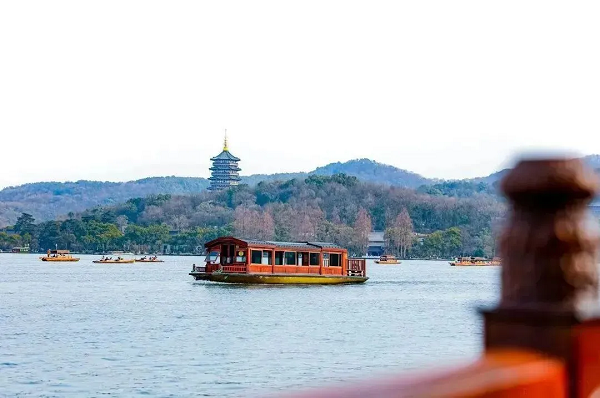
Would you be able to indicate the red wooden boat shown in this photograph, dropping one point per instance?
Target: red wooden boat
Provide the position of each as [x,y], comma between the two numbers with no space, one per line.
[235,260]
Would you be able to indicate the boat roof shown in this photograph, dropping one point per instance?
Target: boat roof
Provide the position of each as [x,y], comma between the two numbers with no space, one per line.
[59,251]
[225,155]
[275,244]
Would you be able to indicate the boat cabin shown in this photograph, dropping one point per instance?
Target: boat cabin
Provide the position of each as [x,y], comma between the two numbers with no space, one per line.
[57,253]
[234,255]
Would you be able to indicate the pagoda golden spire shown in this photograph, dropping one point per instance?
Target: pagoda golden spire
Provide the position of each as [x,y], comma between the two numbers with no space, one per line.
[225,148]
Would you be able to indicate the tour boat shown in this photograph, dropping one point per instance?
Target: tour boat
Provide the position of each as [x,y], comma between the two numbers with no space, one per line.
[58,256]
[151,259]
[234,260]
[118,260]
[388,259]
[475,261]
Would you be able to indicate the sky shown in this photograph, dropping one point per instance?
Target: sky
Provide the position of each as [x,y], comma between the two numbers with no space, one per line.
[121,90]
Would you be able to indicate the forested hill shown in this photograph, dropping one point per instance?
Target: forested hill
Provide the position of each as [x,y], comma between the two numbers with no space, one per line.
[339,208]
[364,169]
[49,200]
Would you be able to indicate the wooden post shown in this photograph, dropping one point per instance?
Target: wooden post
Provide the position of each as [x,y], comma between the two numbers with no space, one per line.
[273,261]
[321,259]
[549,300]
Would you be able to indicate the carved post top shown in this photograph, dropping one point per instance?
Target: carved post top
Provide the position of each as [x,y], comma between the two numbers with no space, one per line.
[548,247]
[566,179]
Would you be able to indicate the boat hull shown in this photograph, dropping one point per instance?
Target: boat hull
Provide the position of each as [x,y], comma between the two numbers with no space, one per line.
[114,262]
[491,264]
[55,260]
[278,279]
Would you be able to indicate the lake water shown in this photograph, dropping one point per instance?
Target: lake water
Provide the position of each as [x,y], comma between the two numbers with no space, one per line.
[83,329]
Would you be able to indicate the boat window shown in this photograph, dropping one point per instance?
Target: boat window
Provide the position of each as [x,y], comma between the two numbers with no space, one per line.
[278,258]
[314,259]
[256,257]
[303,258]
[240,256]
[290,258]
[228,251]
[212,257]
[267,259]
[335,260]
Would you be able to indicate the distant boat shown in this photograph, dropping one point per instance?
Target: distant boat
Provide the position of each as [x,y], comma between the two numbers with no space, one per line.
[387,259]
[151,259]
[59,256]
[475,261]
[116,260]
[20,249]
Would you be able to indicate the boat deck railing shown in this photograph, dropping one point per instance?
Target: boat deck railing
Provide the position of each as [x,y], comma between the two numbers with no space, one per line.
[543,338]
[357,267]
[234,269]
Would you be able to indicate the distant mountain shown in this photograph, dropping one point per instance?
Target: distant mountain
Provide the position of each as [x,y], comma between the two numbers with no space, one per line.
[492,178]
[371,171]
[592,161]
[363,169]
[49,200]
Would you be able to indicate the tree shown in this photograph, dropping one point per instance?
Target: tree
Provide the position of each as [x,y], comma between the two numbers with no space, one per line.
[362,228]
[400,235]
[452,242]
[267,227]
[49,237]
[25,224]
[244,222]
[404,225]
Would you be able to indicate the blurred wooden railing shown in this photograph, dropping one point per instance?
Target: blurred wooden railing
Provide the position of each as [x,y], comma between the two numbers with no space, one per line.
[543,339]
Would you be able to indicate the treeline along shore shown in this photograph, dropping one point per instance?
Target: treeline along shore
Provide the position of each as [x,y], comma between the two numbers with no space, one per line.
[434,221]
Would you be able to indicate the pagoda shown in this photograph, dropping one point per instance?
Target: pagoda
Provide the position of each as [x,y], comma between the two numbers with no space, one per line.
[225,170]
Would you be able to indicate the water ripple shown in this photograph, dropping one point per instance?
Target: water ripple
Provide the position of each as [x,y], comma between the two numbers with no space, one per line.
[98,331]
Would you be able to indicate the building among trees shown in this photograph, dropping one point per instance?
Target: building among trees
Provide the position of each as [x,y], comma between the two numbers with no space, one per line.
[376,244]
[225,170]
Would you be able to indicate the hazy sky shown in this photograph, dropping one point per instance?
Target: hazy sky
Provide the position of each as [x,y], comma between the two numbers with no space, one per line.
[119,90]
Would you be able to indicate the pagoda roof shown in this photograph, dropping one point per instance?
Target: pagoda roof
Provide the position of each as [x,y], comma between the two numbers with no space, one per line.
[226,177]
[225,167]
[225,155]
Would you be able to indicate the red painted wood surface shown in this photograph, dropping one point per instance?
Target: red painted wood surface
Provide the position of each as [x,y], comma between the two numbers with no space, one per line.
[499,374]
[233,269]
[332,270]
[260,269]
[212,267]
[586,348]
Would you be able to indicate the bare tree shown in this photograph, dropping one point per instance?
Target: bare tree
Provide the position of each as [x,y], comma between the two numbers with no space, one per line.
[400,235]
[362,228]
